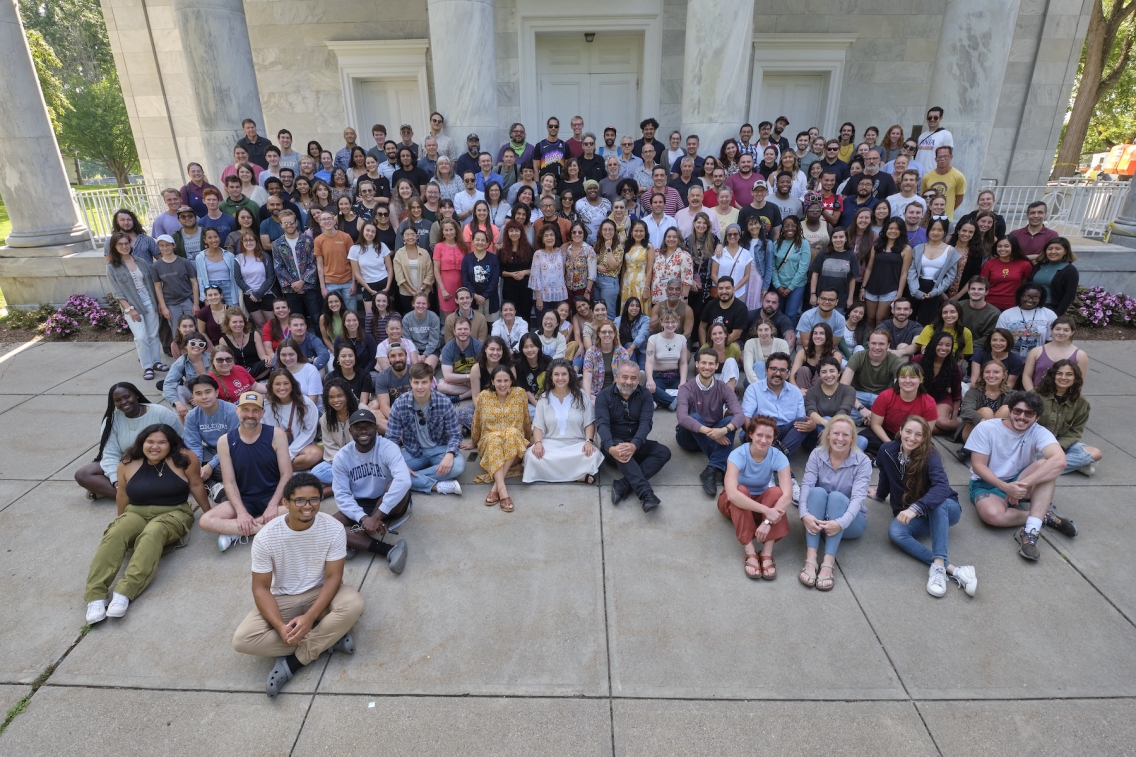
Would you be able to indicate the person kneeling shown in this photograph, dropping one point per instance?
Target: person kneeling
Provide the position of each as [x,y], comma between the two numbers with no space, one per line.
[748,498]
[157,475]
[303,607]
[923,502]
[708,416]
[371,484]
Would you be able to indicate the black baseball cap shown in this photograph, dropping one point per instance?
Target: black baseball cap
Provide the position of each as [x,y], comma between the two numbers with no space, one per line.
[362,415]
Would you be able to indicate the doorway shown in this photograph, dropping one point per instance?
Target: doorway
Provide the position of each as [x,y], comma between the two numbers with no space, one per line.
[597,80]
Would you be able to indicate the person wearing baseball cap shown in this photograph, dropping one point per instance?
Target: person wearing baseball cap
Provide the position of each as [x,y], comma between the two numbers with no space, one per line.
[769,213]
[467,161]
[175,283]
[371,485]
[255,466]
[407,134]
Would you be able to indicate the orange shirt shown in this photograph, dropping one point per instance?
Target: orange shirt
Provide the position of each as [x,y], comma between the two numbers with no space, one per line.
[333,250]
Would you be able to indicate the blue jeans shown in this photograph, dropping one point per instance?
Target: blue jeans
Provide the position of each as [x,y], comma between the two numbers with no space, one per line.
[606,288]
[322,471]
[426,466]
[692,442]
[665,380]
[639,356]
[350,301]
[936,524]
[867,399]
[825,506]
[791,438]
[791,305]
[1076,458]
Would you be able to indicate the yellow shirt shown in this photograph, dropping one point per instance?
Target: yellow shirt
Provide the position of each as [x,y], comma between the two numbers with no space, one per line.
[925,335]
[949,185]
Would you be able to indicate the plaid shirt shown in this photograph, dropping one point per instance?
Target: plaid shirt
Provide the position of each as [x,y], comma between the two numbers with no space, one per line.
[442,423]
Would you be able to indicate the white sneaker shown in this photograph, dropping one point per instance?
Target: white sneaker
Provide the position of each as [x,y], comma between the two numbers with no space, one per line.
[224,541]
[448,487]
[118,605]
[966,578]
[96,611]
[937,581]
[796,491]
[1090,469]
[215,490]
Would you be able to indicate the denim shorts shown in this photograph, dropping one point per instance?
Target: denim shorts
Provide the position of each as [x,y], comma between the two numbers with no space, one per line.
[980,489]
[881,297]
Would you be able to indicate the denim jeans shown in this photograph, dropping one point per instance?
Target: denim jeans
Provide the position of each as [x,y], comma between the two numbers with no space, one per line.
[426,466]
[639,356]
[907,537]
[606,288]
[322,471]
[307,302]
[791,438]
[665,380]
[351,301]
[825,506]
[1076,458]
[692,442]
[867,399]
[791,305]
[861,441]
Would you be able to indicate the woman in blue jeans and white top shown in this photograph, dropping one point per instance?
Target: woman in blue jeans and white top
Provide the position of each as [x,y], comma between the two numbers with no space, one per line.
[666,362]
[923,502]
[836,481]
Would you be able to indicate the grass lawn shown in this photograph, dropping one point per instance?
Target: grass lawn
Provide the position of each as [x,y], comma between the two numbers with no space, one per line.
[5,224]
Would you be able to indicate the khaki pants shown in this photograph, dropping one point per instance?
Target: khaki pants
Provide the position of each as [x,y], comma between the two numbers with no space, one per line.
[148,529]
[256,637]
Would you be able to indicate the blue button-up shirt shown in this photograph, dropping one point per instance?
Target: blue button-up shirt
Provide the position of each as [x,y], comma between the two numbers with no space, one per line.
[785,407]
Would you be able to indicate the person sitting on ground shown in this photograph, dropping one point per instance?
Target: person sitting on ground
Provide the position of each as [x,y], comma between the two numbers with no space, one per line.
[360,382]
[624,415]
[500,433]
[244,343]
[1043,357]
[563,427]
[1014,465]
[424,424]
[667,361]
[825,312]
[303,608]
[761,344]
[356,337]
[1000,347]
[390,384]
[209,420]
[829,398]
[600,359]
[394,336]
[255,467]
[782,401]
[371,484]
[901,329]
[673,304]
[509,327]
[231,379]
[907,396]
[424,330]
[818,343]
[339,403]
[985,399]
[1066,414]
[195,362]
[312,347]
[289,357]
[836,481]
[153,513]
[942,378]
[459,356]
[127,413]
[1028,321]
[531,368]
[950,321]
[913,480]
[748,497]
[870,372]
[297,415]
[708,416]
[729,355]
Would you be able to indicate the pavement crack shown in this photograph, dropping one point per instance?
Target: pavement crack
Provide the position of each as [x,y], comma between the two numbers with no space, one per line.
[607,626]
[39,681]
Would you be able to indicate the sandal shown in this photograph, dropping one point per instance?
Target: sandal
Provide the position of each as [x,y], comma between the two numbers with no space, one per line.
[804,577]
[161,368]
[148,374]
[831,579]
[589,479]
[492,497]
[507,504]
[757,574]
[768,567]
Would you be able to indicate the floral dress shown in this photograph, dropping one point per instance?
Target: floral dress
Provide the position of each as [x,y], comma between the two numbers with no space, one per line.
[634,275]
[501,430]
[547,276]
[677,266]
[577,266]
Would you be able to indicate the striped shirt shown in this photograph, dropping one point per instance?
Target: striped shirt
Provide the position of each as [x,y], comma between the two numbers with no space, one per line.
[296,558]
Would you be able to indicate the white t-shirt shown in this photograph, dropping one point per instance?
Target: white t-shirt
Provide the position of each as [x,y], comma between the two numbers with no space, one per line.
[667,351]
[296,558]
[928,143]
[898,203]
[372,262]
[308,377]
[1010,453]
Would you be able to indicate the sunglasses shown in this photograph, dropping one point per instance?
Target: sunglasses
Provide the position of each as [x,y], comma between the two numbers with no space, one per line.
[196,343]
[222,360]
[421,418]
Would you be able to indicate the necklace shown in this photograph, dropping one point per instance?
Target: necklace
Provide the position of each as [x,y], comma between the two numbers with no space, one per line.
[163,469]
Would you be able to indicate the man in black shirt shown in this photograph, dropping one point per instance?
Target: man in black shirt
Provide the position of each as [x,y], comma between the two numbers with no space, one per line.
[769,213]
[254,144]
[770,311]
[728,310]
[591,165]
[648,126]
[883,185]
[624,414]
[903,330]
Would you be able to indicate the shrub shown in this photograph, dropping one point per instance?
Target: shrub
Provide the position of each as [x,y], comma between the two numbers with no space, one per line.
[27,319]
[1097,307]
[60,326]
[81,307]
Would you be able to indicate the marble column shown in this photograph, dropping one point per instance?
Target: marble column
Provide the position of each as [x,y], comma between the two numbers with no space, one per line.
[33,181]
[718,58]
[218,60]
[974,47]
[1124,227]
[465,84]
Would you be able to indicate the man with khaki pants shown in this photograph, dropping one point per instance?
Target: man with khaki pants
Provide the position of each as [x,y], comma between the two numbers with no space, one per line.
[302,607]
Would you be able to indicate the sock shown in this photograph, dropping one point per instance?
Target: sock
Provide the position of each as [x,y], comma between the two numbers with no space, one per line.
[379,548]
[293,663]
[1033,525]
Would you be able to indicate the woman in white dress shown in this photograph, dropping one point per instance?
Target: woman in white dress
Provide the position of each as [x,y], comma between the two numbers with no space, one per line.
[563,428]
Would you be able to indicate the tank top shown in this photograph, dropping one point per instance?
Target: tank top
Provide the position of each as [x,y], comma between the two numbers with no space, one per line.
[885,273]
[1045,362]
[255,467]
[246,356]
[146,488]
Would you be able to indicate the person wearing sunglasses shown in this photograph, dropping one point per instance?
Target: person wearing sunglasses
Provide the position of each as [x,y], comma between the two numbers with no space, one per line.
[932,139]
[1014,464]
[195,362]
[425,425]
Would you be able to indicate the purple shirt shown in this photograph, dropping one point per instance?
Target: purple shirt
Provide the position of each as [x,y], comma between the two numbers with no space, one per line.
[708,404]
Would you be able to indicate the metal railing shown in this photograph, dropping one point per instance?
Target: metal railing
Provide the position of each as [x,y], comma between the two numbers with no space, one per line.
[1077,208]
[97,208]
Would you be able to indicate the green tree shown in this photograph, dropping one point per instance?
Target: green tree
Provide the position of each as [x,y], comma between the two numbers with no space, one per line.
[97,127]
[47,67]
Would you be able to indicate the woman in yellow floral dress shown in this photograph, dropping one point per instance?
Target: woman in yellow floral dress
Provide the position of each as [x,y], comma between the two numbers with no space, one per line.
[501,430]
[638,260]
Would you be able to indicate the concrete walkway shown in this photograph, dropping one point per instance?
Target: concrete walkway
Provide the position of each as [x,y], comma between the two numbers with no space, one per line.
[571,626]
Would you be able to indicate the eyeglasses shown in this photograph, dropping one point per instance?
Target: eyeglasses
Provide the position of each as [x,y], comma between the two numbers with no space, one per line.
[435,120]
[1023,413]
[196,343]
[776,370]
[589,144]
[222,360]
[306,501]
[933,118]
[827,299]
[469,181]
[382,215]
[288,224]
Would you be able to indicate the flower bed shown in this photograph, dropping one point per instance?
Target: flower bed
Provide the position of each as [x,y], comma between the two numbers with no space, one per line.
[81,319]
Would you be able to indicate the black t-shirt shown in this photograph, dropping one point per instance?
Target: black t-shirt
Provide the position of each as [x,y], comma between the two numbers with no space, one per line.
[381,184]
[360,383]
[834,269]
[770,216]
[591,168]
[682,187]
[883,185]
[387,236]
[552,153]
[734,317]
[416,176]
[782,325]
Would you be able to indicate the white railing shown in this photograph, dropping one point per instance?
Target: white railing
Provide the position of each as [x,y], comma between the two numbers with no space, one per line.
[97,208]
[1076,208]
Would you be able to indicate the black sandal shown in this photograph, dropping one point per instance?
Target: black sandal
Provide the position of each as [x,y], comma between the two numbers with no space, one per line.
[589,479]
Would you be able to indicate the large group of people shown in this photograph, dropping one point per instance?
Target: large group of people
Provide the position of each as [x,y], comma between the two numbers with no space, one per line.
[338,321]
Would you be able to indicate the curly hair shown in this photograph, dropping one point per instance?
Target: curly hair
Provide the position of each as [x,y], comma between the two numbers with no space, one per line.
[1047,387]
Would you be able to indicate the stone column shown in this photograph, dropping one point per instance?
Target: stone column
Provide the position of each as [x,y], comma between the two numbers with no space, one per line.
[33,181]
[1124,227]
[465,84]
[218,60]
[717,69]
[974,47]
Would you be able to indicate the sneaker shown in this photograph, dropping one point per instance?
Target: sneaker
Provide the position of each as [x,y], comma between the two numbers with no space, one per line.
[962,454]
[397,557]
[349,554]
[96,611]
[1059,522]
[617,491]
[709,481]
[966,578]
[118,605]
[796,491]
[216,491]
[224,541]
[1090,469]
[448,487]
[937,581]
[1028,541]
[346,644]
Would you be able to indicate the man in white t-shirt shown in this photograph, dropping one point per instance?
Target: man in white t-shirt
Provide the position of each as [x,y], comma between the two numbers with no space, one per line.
[303,608]
[932,139]
[1014,465]
[908,184]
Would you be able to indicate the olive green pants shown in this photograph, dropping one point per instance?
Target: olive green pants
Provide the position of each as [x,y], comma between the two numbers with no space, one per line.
[148,529]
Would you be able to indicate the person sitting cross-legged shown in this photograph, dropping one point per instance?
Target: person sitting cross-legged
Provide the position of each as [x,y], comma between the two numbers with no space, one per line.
[303,608]
[708,416]
[776,397]
[458,358]
[371,485]
[624,415]
[1015,461]
[425,425]
[255,466]
[209,419]
[757,508]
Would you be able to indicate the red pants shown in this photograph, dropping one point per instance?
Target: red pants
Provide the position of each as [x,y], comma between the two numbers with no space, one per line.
[746,521]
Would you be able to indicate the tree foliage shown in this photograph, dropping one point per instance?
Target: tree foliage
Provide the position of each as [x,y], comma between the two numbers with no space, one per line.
[47,67]
[1114,118]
